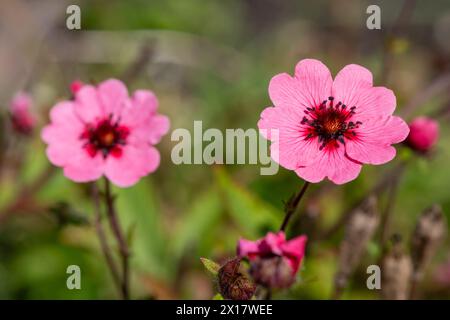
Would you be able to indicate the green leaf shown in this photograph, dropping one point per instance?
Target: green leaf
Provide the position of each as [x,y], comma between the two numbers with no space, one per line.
[138,211]
[250,212]
[218,297]
[211,266]
[197,222]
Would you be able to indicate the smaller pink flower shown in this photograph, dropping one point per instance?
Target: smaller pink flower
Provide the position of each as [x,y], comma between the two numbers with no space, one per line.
[275,245]
[105,132]
[75,86]
[22,119]
[423,135]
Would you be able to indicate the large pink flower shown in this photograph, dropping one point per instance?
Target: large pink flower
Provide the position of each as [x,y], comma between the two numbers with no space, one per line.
[103,131]
[274,244]
[329,128]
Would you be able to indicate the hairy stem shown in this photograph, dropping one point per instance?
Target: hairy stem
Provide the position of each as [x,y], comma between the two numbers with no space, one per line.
[102,238]
[121,241]
[292,204]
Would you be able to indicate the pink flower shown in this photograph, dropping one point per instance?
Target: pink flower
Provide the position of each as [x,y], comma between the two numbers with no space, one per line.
[274,245]
[103,131]
[330,128]
[423,134]
[23,121]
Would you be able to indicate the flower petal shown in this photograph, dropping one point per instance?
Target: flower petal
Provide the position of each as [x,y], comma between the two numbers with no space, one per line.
[289,147]
[88,106]
[247,248]
[374,137]
[113,95]
[271,243]
[331,163]
[350,82]
[134,163]
[375,102]
[310,86]
[84,168]
[294,249]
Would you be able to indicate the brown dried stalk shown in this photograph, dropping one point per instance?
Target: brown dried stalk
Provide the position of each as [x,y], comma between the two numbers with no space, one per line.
[396,273]
[428,235]
[359,230]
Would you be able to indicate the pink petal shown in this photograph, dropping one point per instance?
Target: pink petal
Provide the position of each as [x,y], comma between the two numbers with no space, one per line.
[113,95]
[331,163]
[145,99]
[310,86]
[159,127]
[63,134]
[374,102]
[134,163]
[88,106]
[63,116]
[84,168]
[142,106]
[374,138]
[271,243]
[294,249]
[290,150]
[350,82]
[247,248]
[63,146]
[147,126]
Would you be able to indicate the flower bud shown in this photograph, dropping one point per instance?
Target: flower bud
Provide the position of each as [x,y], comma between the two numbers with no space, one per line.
[423,134]
[22,119]
[233,283]
[273,272]
[75,86]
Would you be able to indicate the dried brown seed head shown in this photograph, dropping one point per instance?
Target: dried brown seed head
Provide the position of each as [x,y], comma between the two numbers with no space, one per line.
[359,230]
[396,273]
[428,235]
[234,284]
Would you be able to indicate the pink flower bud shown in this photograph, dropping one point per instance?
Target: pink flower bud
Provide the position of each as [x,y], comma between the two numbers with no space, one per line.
[23,121]
[75,86]
[424,133]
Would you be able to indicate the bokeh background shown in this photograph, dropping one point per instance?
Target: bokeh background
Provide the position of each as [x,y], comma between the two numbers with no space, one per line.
[209,61]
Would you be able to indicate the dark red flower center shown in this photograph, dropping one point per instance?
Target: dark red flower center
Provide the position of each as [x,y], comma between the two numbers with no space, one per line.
[330,122]
[106,136]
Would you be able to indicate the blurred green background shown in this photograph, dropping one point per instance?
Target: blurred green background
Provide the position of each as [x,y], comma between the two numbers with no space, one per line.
[209,61]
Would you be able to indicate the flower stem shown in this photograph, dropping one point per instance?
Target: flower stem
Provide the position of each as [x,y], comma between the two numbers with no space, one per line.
[102,237]
[121,241]
[292,204]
